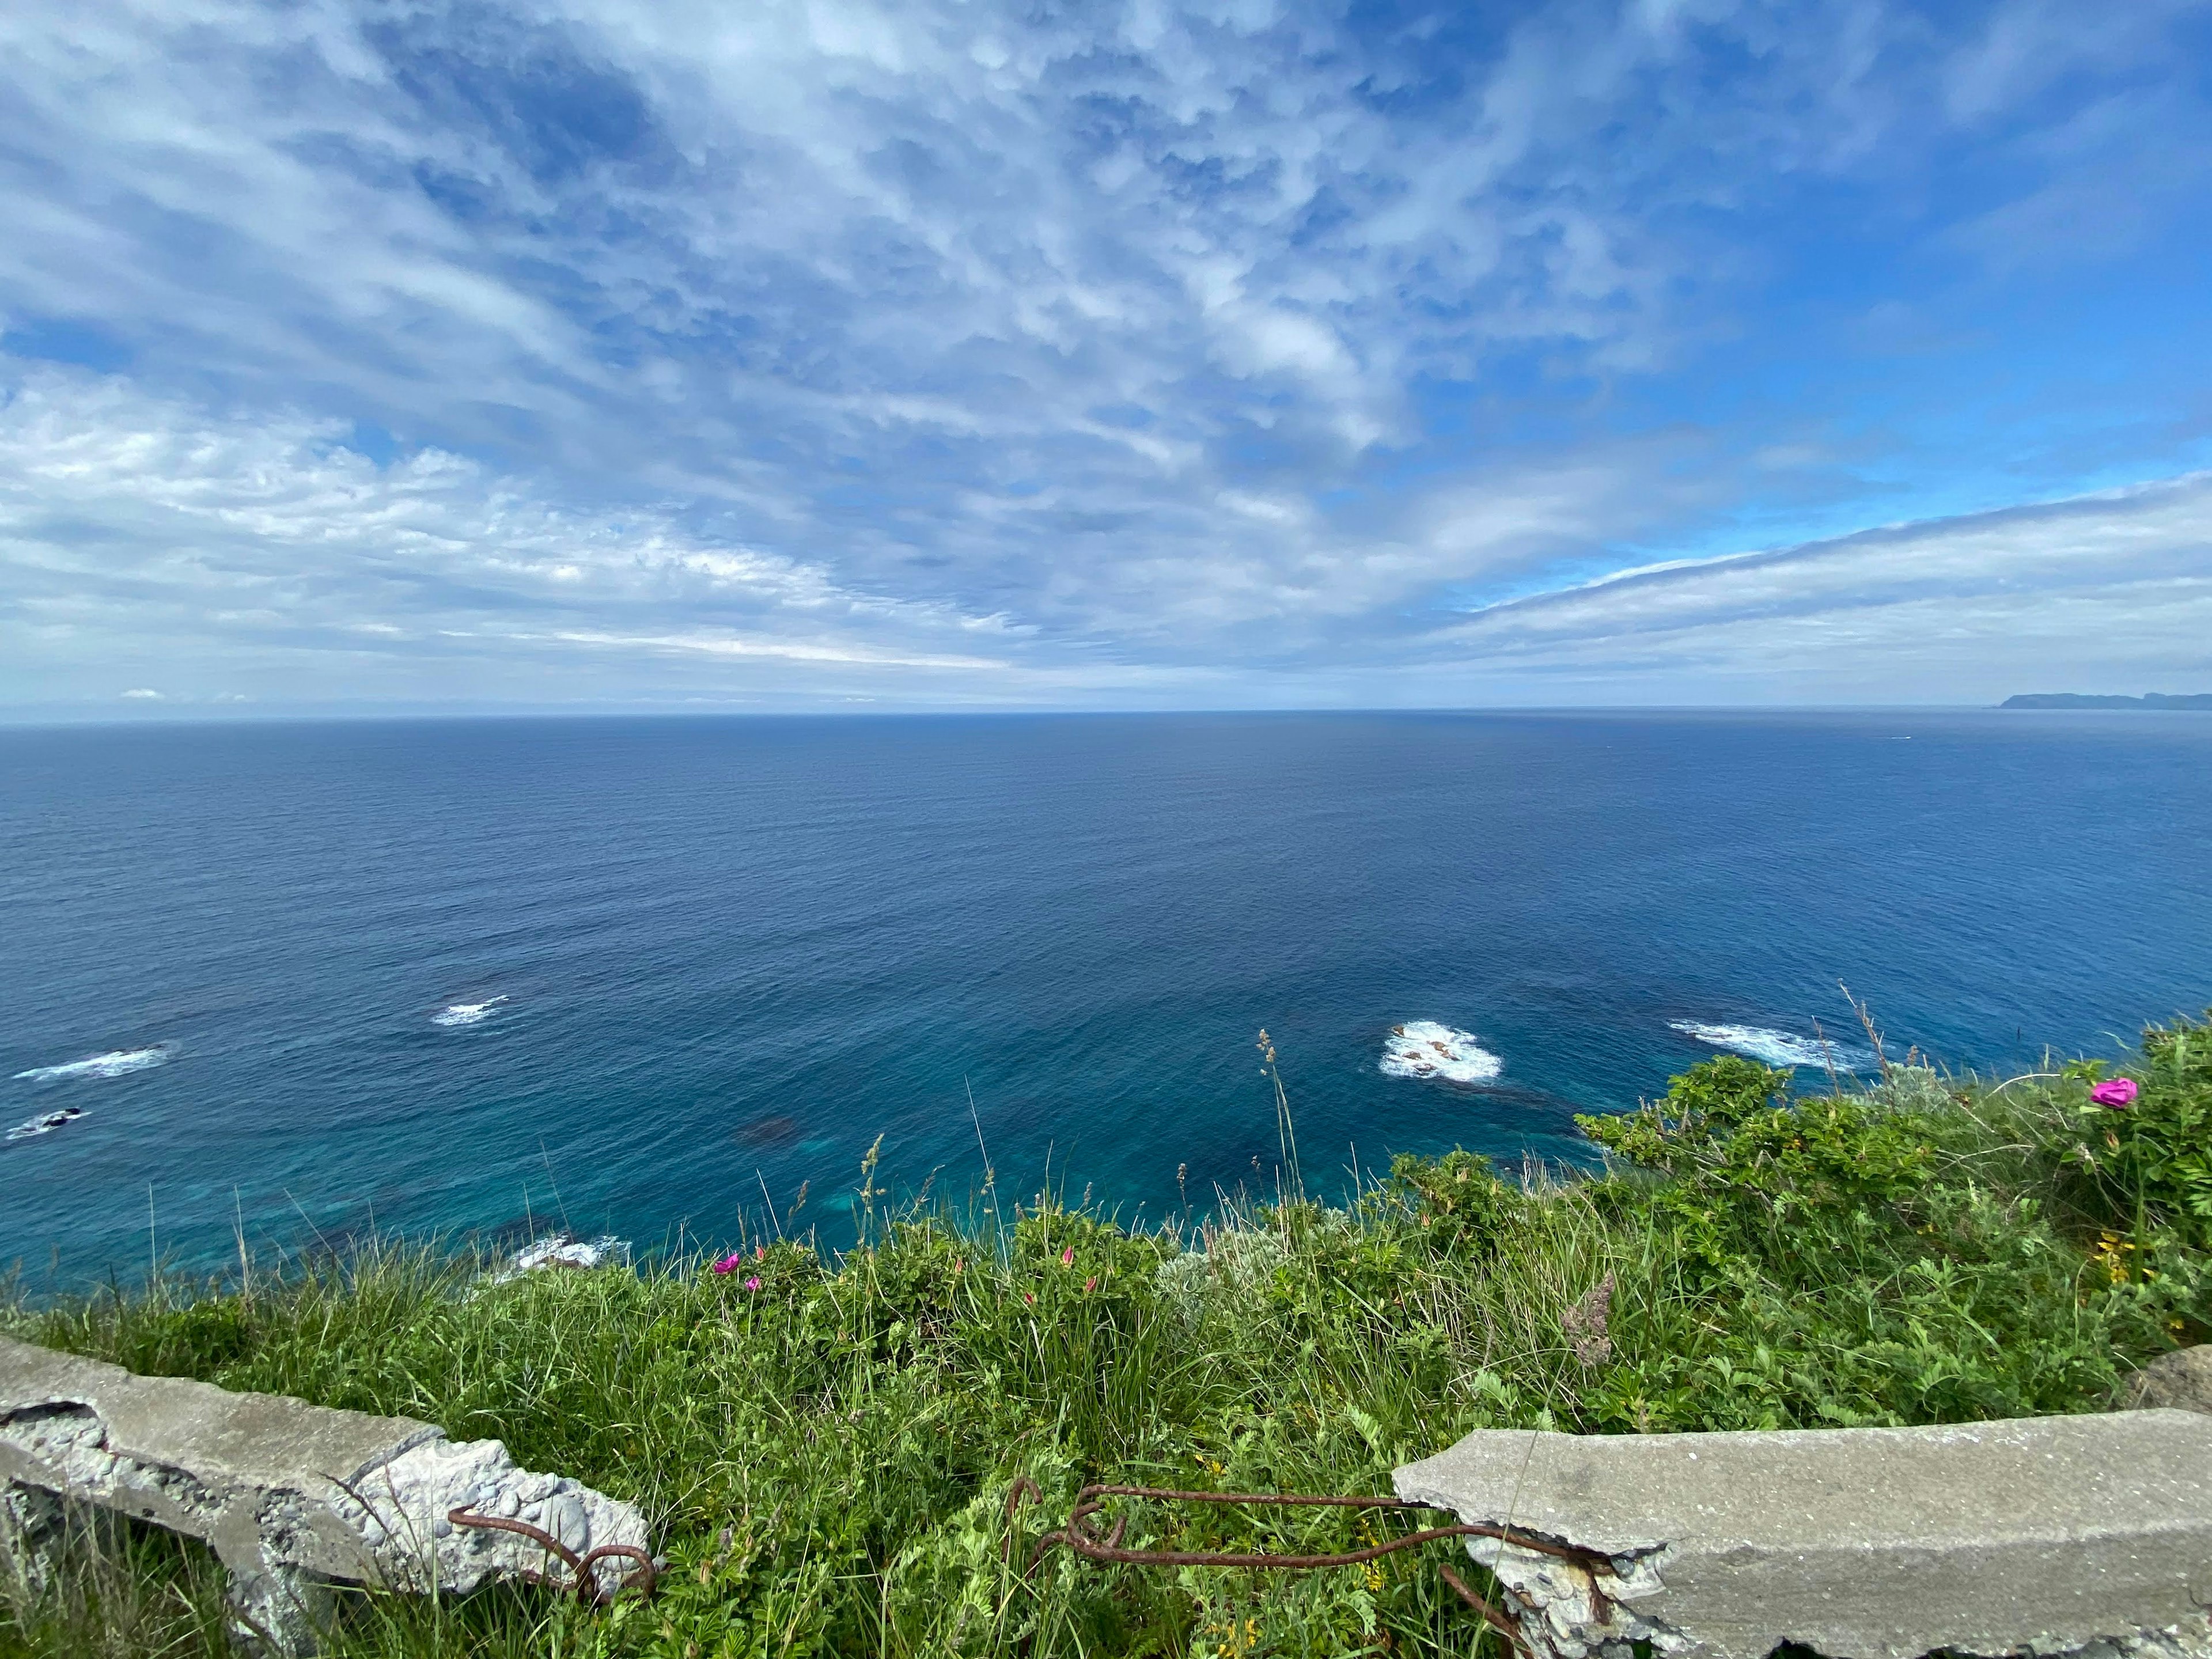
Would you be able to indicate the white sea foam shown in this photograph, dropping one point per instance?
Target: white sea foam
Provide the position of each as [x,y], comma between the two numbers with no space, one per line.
[466,1013]
[1425,1047]
[1775,1048]
[112,1064]
[565,1250]
[47,1124]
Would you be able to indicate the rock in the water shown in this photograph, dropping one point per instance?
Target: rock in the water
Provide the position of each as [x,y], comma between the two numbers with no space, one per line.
[2081,1535]
[561,1250]
[2182,1380]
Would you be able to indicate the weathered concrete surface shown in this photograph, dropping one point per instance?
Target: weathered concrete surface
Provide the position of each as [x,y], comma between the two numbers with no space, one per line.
[2182,1379]
[2051,1535]
[30,1535]
[292,1497]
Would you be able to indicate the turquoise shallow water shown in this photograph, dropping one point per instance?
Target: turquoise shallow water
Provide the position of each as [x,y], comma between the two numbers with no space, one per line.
[460,974]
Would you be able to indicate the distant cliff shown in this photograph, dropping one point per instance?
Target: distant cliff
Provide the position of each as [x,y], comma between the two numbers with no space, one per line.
[2076,700]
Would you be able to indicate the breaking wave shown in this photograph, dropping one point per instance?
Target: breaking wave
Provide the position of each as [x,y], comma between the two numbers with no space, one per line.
[466,1013]
[117,1064]
[1425,1047]
[1775,1048]
[46,1124]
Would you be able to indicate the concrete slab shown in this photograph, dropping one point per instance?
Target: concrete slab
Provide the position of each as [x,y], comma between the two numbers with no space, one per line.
[2051,1535]
[292,1497]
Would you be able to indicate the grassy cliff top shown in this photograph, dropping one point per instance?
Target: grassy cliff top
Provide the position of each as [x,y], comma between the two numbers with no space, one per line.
[826,1444]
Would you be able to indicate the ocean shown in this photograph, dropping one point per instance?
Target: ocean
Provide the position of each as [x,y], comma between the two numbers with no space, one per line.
[647,977]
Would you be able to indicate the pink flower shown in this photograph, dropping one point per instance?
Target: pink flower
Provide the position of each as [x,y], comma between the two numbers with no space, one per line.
[1028,1295]
[1067,1256]
[753,1284]
[2118,1093]
[760,1252]
[728,1264]
[1091,1284]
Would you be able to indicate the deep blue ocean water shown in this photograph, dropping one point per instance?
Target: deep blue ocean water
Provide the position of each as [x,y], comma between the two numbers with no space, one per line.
[731,953]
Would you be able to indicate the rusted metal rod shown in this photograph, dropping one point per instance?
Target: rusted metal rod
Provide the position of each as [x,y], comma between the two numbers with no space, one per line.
[1498,1621]
[586,1584]
[1079,1535]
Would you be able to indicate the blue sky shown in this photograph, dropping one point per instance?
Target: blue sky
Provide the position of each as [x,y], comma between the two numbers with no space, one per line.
[606,354]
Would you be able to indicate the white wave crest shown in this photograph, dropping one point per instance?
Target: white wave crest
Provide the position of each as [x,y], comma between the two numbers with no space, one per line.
[564,1250]
[1425,1047]
[47,1124]
[466,1013]
[112,1065]
[1775,1048]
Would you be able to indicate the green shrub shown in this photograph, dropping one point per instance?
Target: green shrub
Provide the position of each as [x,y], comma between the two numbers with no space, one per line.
[2148,1166]
[1457,1199]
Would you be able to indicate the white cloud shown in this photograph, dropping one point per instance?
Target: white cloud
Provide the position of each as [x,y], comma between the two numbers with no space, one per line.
[249,541]
[737,645]
[1144,349]
[269,552]
[2107,591]
[372,197]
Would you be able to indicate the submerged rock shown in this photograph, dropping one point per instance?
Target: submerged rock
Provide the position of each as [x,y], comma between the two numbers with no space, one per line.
[562,1250]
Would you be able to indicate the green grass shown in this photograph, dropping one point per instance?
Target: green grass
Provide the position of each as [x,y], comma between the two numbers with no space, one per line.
[826,1458]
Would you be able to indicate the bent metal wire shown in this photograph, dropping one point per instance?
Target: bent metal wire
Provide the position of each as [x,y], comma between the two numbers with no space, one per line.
[586,1586]
[1078,1533]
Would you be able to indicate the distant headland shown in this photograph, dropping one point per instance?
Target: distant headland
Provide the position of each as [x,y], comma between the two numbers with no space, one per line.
[2202,700]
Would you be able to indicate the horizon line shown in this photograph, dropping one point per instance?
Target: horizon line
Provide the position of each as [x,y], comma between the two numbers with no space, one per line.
[192,715]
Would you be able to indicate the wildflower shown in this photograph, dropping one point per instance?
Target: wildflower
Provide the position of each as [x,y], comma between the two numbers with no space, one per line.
[1028,1295]
[1091,1284]
[729,1263]
[1067,1256]
[753,1284]
[760,1252]
[2118,1093]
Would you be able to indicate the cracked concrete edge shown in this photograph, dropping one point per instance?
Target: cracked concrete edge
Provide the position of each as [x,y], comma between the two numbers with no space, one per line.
[277,1486]
[2089,1536]
[1565,1610]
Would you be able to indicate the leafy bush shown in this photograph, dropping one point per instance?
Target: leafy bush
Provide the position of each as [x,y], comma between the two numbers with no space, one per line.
[2148,1165]
[1457,1199]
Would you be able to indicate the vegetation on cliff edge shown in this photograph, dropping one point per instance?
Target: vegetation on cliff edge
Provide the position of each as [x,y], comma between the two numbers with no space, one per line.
[826,1444]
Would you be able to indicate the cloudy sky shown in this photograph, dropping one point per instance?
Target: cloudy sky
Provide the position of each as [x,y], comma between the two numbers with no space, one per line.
[647,353]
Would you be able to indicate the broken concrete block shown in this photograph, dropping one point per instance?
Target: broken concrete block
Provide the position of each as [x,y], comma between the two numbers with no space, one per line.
[292,1497]
[2182,1379]
[30,1539]
[2088,1536]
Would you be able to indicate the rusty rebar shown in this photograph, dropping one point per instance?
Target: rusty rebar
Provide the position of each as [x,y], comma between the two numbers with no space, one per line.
[1498,1620]
[1079,1535]
[586,1583]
